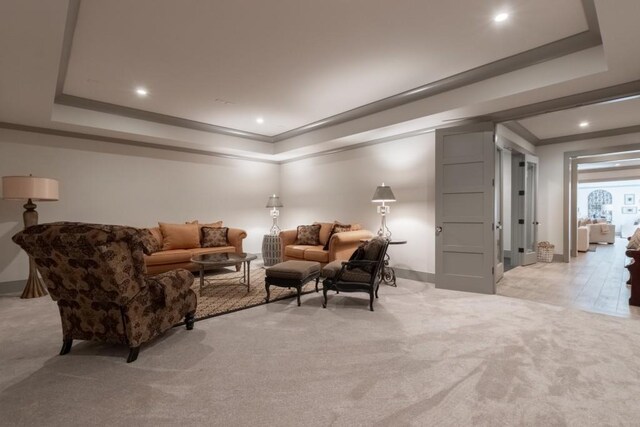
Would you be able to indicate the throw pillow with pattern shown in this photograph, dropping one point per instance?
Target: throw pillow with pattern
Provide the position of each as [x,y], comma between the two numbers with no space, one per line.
[149,241]
[634,241]
[337,228]
[214,237]
[308,235]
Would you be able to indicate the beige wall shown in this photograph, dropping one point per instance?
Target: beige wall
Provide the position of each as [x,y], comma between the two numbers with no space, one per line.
[339,187]
[119,184]
[550,194]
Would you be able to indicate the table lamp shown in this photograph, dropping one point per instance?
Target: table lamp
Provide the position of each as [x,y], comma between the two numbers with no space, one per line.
[30,188]
[274,203]
[383,194]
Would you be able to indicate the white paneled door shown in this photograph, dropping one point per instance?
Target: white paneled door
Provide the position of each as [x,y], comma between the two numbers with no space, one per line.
[465,159]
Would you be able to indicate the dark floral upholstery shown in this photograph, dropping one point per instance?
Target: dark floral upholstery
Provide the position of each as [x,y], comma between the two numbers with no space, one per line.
[214,237]
[96,274]
[308,235]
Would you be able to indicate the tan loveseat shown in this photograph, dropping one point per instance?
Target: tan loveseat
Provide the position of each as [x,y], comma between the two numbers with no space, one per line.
[341,245]
[164,260]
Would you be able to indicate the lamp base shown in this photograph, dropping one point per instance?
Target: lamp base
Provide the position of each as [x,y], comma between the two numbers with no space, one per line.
[34,287]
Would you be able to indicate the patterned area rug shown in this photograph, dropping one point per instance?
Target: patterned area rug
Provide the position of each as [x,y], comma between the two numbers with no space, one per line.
[224,293]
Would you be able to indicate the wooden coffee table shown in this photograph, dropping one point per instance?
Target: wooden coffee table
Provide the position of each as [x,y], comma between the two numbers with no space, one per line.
[225,259]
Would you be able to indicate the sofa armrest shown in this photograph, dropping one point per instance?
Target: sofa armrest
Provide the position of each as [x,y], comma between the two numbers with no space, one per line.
[342,245]
[288,237]
[174,284]
[235,236]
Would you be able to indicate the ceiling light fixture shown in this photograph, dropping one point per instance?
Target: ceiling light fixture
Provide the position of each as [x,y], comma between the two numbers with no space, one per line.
[142,91]
[501,17]
[583,124]
[260,120]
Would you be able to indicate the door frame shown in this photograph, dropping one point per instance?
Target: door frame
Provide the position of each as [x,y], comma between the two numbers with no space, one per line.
[570,187]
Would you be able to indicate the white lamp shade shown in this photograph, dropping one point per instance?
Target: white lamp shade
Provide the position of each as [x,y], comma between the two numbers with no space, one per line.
[29,187]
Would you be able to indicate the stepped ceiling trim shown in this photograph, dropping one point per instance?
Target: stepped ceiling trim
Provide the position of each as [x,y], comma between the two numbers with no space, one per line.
[553,50]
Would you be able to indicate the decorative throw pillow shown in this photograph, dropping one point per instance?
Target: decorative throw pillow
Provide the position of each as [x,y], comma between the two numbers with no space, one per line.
[179,236]
[216,224]
[337,228]
[308,235]
[358,254]
[634,241]
[325,231]
[150,239]
[214,237]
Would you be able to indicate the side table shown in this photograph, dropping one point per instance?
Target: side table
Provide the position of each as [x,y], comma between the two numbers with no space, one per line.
[271,250]
[388,273]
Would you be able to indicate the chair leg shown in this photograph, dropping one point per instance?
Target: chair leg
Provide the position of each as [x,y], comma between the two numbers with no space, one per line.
[189,320]
[133,354]
[299,289]
[324,294]
[266,287]
[371,300]
[66,346]
[238,266]
[317,280]
[377,287]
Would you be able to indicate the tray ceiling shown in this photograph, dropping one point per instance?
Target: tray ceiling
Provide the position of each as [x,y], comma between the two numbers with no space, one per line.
[291,62]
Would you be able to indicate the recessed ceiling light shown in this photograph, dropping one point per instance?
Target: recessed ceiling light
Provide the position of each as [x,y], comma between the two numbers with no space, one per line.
[260,120]
[584,124]
[501,17]
[142,91]
[617,164]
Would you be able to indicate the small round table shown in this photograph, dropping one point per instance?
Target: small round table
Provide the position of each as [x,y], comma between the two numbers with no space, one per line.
[225,259]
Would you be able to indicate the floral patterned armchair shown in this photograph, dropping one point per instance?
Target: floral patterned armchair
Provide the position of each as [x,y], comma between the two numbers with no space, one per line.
[96,274]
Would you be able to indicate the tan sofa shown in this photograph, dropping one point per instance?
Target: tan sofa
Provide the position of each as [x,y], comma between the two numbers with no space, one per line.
[165,260]
[341,245]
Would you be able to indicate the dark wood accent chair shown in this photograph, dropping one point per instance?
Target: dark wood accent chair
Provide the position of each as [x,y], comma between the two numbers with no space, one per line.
[634,279]
[96,274]
[362,274]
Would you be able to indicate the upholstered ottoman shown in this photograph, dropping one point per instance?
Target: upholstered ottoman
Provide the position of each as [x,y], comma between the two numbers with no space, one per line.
[292,274]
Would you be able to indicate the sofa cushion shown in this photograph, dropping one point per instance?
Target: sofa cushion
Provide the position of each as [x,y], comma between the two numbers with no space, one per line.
[337,228]
[316,253]
[179,236]
[295,251]
[216,224]
[149,241]
[325,231]
[216,250]
[634,240]
[214,237]
[172,256]
[308,235]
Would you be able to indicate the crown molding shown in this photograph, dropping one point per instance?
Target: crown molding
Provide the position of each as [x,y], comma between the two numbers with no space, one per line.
[590,135]
[547,52]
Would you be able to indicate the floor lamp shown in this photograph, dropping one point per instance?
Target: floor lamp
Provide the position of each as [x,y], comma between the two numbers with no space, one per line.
[30,188]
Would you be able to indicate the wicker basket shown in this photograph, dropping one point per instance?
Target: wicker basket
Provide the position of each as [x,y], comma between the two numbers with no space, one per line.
[545,252]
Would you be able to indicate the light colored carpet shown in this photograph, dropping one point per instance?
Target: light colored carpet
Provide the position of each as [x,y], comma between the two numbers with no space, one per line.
[223,291]
[424,357]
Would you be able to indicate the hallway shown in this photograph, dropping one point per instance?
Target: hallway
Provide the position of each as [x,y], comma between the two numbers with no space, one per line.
[594,281]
